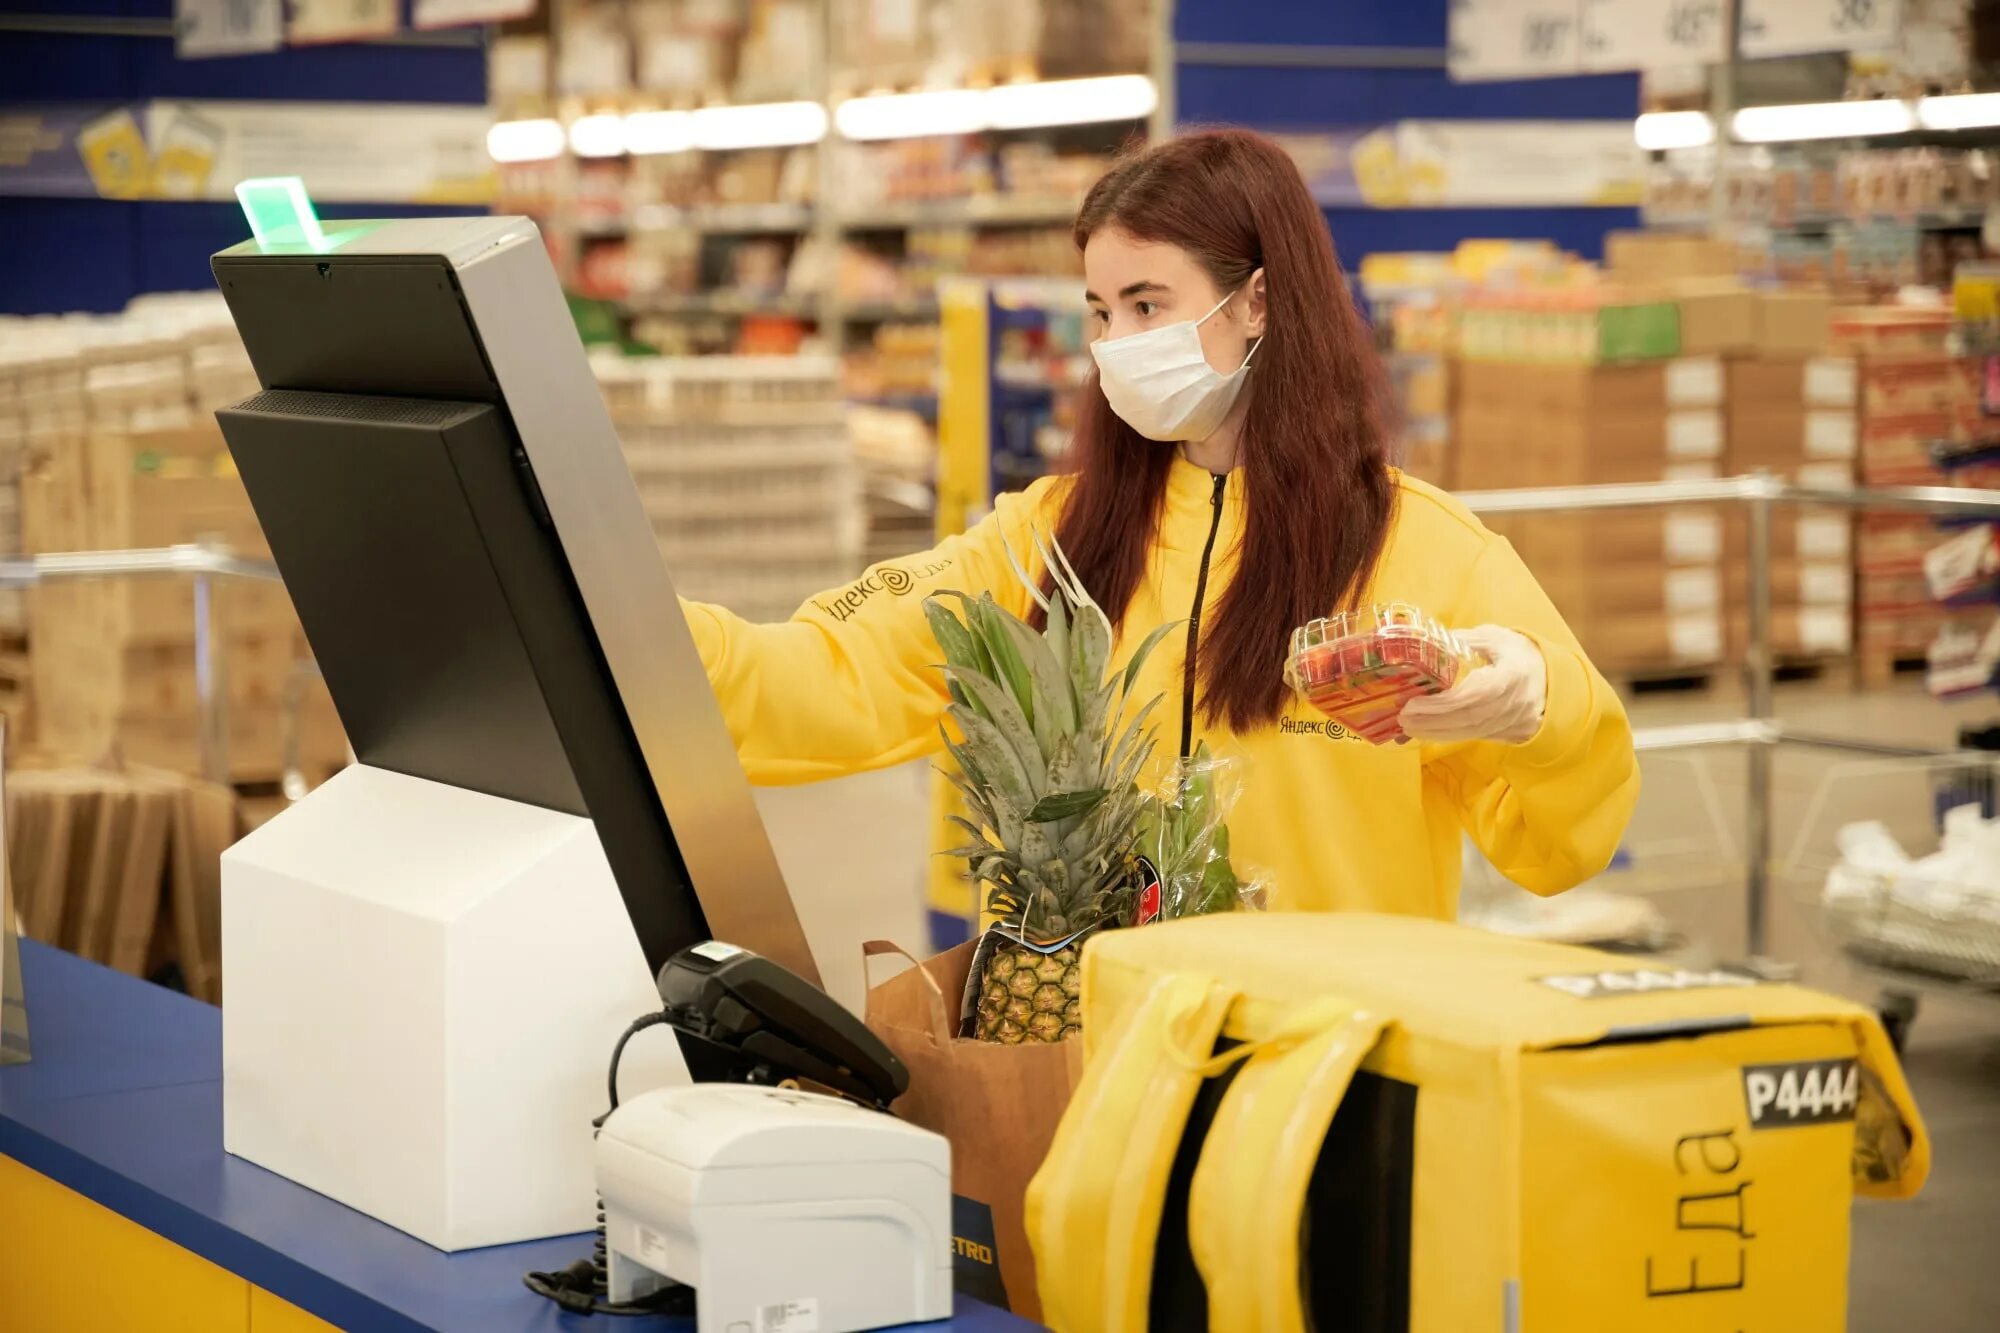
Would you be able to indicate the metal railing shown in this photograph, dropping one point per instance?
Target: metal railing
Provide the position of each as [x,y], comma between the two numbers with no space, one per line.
[206,566]
[1758,729]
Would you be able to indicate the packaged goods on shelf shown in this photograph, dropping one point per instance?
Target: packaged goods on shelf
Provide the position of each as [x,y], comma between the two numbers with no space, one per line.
[1965,566]
[745,469]
[1962,660]
[1573,326]
[1530,424]
[1717,314]
[1030,177]
[880,44]
[123,867]
[1793,416]
[169,360]
[113,661]
[1792,322]
[1642,591]
[900,362]
[1650,256]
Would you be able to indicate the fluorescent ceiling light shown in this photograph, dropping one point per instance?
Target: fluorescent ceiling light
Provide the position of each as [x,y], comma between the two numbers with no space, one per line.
[1822,120]
[1012,106]
[659,132]
[907,115]
[597,136]
[1017,106]
[764,125]
[1968,111]
[1657,131]
[524,140]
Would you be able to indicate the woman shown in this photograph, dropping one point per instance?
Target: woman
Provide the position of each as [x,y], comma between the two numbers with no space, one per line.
[1231,471]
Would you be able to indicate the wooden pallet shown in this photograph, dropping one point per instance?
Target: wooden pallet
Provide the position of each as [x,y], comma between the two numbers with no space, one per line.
[1726,677]
[1877,668]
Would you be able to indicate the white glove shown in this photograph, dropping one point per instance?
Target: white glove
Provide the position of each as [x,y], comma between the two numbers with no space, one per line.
[1501,700]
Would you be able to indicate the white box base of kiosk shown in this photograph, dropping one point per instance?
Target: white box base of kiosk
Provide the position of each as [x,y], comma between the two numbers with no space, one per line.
[423,986]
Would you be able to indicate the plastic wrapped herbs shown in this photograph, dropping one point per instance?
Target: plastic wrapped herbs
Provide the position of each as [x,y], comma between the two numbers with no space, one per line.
[1360,667]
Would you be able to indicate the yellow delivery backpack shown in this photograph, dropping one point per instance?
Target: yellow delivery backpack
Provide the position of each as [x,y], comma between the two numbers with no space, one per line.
[1370,1123]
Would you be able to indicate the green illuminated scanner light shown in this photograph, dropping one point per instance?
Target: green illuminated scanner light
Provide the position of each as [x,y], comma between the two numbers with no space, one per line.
[280,212]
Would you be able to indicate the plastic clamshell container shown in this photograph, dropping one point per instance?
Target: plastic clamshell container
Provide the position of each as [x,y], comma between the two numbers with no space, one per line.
[1360,667]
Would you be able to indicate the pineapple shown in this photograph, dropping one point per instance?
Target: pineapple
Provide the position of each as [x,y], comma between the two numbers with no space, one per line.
[1051,778]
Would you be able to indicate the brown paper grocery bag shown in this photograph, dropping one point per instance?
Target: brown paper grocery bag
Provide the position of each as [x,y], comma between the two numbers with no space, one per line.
[999,1106]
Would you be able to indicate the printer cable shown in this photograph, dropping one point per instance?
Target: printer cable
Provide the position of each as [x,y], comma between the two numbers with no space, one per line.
[583,1287]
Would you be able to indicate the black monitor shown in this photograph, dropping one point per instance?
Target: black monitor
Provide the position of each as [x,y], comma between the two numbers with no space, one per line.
[447,501]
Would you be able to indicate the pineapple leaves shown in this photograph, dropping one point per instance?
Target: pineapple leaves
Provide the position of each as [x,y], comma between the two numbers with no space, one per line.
[960,649]
[1064,805]
[995,761]
[1048,753]
[1089,649]
[997,708]
[1145,650]
[1008,665]
[1056,636]
[1054,711]
[1014,563]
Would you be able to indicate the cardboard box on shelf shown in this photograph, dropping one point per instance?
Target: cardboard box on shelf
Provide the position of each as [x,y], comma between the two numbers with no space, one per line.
[1799,581]
[1874,330]
[1585,593]
[111,666]
[1716,315]
[1484,384]
[256,740]
[122,866]
[1638,331]
[1903,433]
[1656,255]
[1917,384]
[1771,381]
[1426,451]
[1819,536]
[1585,390]
[1662,537]
[1798,633]
[1653,642]
[1793,322]
[1425,386]
[1775,437]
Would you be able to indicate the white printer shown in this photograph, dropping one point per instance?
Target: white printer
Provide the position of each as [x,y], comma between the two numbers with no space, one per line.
[786,1211]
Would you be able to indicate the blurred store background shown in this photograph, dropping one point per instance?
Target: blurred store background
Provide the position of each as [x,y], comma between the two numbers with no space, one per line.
[821,253]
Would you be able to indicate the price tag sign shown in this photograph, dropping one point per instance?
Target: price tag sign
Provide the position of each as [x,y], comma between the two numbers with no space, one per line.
[1651,34]
[1515,39]
[1794,27]
[227,27]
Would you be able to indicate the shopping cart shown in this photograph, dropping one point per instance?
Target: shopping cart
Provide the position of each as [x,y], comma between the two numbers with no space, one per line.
[1912,930]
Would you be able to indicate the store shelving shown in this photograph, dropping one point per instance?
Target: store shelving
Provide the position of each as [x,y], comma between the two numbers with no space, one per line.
[880,312]
[723,303]
[989,210]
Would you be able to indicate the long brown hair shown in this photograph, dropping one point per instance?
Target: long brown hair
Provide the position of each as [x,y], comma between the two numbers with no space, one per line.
[1315,437]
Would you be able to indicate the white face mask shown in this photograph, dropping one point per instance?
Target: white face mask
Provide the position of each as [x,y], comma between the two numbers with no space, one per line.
[1162,386]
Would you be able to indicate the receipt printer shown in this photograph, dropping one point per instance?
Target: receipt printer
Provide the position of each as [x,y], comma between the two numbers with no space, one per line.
[786,1211]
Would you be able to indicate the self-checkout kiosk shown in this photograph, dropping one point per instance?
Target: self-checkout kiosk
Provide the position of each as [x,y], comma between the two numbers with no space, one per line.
[429,957]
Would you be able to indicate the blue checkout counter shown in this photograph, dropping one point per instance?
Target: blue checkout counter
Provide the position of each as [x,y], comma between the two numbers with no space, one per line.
[119,1209]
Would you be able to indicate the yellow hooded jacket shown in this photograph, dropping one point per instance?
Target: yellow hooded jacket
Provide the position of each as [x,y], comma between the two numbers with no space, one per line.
[850,683]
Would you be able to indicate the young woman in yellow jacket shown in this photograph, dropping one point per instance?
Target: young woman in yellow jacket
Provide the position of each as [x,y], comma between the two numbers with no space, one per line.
[1231,471]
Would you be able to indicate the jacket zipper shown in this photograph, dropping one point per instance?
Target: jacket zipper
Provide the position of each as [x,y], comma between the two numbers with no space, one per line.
[1194,619]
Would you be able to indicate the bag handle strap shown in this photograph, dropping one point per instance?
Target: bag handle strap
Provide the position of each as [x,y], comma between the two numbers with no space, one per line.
[942,1028]
[1258,1159]
[1093,1210]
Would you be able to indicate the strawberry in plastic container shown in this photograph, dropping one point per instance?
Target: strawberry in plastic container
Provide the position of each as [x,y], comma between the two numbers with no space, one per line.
[1360,667]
